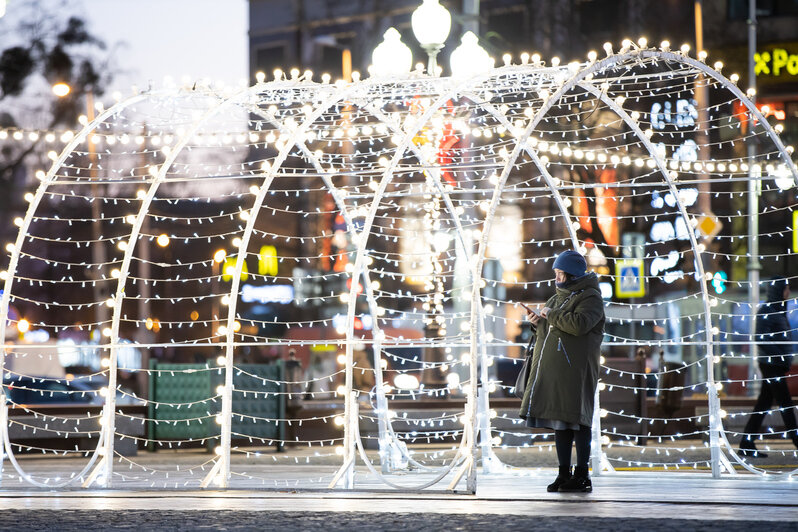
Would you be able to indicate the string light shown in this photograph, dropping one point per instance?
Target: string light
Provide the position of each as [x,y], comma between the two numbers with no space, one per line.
[200,174]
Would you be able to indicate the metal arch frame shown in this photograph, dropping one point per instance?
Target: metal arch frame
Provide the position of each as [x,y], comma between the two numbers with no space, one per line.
[716,428]
[383,419]
[341,205]
[716,455]
[223,460]
[599,457]
[717,432]
[469,436]
[104,469]
[731,87]
[222,467]
[577,79]
[12,268]
[372,303]
[472,408]
[384,423]
[564,88]
[543,168]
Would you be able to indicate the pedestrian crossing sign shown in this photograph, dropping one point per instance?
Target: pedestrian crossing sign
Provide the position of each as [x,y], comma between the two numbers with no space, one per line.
[629,278]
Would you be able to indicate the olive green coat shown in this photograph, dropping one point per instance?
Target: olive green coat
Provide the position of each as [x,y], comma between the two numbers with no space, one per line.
[563,372]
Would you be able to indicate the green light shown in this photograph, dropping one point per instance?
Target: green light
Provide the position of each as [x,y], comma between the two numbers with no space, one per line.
[719,282]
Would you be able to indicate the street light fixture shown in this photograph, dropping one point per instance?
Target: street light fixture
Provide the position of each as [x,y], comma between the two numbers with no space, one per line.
[391,57]
[431,25]
[23,325]
[61,89]
[470,58]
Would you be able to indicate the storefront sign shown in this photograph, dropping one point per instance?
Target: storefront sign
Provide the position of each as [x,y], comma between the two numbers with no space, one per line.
[776,62]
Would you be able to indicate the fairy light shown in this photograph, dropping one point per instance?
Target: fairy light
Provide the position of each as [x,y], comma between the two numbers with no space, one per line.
[475,145]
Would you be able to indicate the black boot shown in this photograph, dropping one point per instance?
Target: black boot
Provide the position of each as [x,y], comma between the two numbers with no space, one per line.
[562,477]
[747,448]
[579,483]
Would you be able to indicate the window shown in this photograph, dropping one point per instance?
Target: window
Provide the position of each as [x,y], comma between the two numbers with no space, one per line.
[269,58]
[738,9]
[330,60]
[598,16]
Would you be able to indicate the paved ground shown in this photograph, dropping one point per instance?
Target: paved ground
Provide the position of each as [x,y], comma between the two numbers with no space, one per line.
[302,521]
[631,499]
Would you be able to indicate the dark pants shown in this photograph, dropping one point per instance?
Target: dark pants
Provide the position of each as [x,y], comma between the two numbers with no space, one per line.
[772,389]
[564,440]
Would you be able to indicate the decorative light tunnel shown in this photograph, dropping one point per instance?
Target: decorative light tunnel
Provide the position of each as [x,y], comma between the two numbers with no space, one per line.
[431,180]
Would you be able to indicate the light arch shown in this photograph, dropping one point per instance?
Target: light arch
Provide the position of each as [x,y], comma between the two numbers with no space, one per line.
[578,79]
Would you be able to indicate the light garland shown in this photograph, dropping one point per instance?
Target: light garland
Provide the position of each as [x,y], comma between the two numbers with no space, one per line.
[179,173]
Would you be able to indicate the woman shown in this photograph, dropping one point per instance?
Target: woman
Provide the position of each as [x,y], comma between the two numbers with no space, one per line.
[564,368]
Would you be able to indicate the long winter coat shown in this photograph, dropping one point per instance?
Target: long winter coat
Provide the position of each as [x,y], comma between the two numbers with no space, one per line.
[564,368]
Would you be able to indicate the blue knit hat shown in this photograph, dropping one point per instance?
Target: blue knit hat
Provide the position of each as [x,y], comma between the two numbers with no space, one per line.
[571,262]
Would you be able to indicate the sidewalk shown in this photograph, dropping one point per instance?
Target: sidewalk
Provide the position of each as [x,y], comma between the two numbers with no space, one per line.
[715,506]
[513,500]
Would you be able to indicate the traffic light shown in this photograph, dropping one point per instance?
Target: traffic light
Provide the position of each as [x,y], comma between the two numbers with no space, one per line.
[719,282]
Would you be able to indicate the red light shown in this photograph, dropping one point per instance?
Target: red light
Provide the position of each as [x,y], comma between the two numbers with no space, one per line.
[358,289]
[776,110]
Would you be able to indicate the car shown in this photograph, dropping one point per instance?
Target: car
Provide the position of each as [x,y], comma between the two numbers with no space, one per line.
[38,390]
[48,390]
[124,397]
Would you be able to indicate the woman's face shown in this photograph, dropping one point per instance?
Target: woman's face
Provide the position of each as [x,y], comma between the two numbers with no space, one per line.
[559,275]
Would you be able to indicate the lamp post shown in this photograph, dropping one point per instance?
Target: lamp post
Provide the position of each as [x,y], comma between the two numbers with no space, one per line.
[98,251]
[431,25]
[753,197]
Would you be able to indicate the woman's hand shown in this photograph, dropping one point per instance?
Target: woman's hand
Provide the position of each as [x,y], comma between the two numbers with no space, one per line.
[532,315]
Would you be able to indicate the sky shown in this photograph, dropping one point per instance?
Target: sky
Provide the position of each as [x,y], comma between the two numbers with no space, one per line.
[150,39]
[157,38]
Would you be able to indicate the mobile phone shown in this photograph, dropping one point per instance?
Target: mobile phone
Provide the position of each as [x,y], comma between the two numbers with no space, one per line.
[534,311]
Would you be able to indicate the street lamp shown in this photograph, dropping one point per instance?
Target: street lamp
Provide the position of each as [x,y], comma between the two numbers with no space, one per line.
[470,58]
[391,57]
[431,25]
[219,256]
[23,325]
[60,89]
